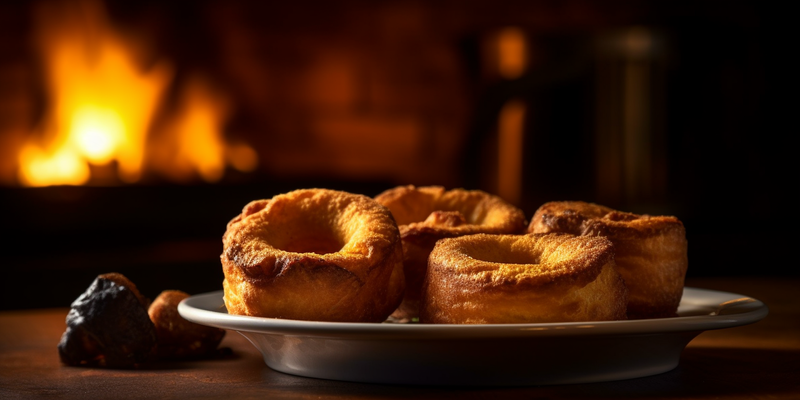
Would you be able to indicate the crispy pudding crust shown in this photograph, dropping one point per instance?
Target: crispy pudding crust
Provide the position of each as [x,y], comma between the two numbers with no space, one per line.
[651,251]
[427,214]
[503,279]
[313,254]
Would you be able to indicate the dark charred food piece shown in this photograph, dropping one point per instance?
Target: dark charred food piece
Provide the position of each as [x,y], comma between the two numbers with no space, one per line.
[108,326]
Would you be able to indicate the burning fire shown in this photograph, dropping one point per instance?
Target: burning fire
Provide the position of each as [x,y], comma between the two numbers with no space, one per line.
[103,105]
[191,142]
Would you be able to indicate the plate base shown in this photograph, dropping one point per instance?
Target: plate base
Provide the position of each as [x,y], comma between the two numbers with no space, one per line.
[480,355]
[474,362]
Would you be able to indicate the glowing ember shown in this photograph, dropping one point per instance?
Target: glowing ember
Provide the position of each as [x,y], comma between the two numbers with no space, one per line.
[103,103]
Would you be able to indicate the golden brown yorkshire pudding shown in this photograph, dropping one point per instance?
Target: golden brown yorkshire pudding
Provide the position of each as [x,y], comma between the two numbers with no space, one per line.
[651,251]
[313,254]
[427,214]
[503,279]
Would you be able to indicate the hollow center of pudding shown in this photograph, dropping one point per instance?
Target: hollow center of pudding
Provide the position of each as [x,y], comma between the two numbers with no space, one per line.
[448,219]
[304,233]
[503,253]
[318,244]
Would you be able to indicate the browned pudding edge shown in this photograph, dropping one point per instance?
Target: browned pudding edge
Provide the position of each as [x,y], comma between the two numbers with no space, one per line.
[651,251]
[478,279]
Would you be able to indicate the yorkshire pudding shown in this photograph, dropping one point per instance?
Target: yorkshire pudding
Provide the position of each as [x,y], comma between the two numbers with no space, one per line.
[313,254]
[505,279]
[427,214]
[651,251]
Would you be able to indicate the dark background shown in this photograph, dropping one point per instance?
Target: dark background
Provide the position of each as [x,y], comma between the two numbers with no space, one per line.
[723,102]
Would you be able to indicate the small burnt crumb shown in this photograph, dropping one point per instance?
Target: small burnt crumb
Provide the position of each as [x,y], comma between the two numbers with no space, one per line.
[108,326]
[177,337]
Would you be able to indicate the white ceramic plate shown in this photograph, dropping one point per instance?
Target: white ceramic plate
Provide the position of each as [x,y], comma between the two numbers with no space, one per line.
[508,355]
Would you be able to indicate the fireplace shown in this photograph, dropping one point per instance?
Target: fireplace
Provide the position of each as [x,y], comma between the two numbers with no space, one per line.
[131,133]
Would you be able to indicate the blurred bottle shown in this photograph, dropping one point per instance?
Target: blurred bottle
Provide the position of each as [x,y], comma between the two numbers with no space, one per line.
[630,151]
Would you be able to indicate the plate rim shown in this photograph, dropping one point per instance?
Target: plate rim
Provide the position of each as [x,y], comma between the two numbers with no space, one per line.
[745,310]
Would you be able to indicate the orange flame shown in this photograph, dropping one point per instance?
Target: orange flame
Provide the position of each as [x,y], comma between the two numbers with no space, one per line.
[191,141]
[103,104]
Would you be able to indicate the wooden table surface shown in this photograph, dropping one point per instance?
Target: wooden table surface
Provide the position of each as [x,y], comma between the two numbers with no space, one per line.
[757,361]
